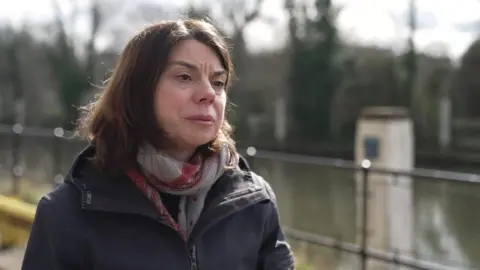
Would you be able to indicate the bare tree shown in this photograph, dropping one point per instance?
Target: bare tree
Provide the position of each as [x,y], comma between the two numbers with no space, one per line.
[73,72]
[14,74]
[234,16]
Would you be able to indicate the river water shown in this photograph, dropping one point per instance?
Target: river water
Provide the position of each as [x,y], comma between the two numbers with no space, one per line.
[321,200]
[316,199]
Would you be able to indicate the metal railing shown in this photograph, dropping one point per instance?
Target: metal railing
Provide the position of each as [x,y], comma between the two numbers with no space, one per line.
[60,139]
[361,249]
[18,133]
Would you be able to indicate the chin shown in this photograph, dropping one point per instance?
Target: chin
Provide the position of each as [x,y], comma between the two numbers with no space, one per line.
[199,138]
[200,142]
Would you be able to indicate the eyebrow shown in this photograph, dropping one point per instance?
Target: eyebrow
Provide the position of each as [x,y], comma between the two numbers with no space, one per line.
[194,67]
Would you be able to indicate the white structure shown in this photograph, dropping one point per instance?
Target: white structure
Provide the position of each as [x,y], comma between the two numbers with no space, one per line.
[444,125]
[385,138]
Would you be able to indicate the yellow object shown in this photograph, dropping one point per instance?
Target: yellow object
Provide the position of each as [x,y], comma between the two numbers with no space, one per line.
[16,218]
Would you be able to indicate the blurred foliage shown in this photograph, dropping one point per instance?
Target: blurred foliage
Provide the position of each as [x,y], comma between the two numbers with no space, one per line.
[315,71]
[50,70]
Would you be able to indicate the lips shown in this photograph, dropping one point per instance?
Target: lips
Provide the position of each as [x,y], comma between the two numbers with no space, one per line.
[201,118]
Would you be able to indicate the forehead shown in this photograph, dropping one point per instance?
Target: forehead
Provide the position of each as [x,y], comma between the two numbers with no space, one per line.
[197,53]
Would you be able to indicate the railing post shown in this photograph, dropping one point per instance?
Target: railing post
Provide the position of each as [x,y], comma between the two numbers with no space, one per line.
[57,156]
[17,170]
[366,164]
[251,152]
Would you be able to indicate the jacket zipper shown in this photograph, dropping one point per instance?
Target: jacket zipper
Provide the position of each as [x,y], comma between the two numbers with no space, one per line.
[193,248]
[191,251]
[193,258]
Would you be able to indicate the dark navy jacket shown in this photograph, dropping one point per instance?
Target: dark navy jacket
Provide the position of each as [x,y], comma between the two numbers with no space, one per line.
[97,222]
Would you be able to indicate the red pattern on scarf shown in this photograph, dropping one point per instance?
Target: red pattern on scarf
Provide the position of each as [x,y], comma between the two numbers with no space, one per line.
[189,178]
[152,194]
[189,171]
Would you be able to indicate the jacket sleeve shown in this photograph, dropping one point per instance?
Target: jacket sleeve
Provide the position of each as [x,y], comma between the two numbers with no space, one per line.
[275,252]
[43,249]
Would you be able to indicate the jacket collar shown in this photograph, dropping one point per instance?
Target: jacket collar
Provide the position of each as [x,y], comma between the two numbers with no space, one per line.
[103,192]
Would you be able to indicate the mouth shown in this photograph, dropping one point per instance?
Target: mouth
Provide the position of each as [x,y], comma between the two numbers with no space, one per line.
[201,119]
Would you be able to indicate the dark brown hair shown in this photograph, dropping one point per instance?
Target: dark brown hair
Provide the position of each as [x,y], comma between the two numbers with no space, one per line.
[122,118]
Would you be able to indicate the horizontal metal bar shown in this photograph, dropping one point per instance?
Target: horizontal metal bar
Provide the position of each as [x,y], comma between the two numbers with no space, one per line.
[302,159]
[286,157]
[33,131]
[350,165]
[388,257]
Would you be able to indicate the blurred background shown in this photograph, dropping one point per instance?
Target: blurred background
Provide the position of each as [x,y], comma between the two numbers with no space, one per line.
[305,70]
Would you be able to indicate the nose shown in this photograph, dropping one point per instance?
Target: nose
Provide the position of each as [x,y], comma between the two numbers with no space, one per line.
[205,93]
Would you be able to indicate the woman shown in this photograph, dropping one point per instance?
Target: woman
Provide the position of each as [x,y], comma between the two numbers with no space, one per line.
[161,185]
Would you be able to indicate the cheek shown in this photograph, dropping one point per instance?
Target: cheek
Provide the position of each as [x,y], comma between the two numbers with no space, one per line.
[168,104]
[161,106]
[220,107]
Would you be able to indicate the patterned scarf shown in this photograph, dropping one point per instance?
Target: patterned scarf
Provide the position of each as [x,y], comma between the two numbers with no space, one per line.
[190,180]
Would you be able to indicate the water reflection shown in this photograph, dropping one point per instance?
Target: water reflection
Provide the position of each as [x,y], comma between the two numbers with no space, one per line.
[322,200]
[452,231]
[434,237]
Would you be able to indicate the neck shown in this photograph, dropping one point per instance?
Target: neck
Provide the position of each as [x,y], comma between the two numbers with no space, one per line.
[181,154]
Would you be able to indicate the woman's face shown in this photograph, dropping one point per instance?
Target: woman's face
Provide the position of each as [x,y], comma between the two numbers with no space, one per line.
[190,96]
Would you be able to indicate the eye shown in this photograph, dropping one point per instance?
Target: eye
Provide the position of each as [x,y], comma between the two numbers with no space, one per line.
[184,77]
[219,84]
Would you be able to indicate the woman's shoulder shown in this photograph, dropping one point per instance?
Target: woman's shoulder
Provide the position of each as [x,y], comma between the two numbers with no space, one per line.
[244,167]
[63,199]
[253,180]
[261,182]
[58,216]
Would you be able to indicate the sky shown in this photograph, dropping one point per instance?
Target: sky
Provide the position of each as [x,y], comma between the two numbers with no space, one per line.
[445,26]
